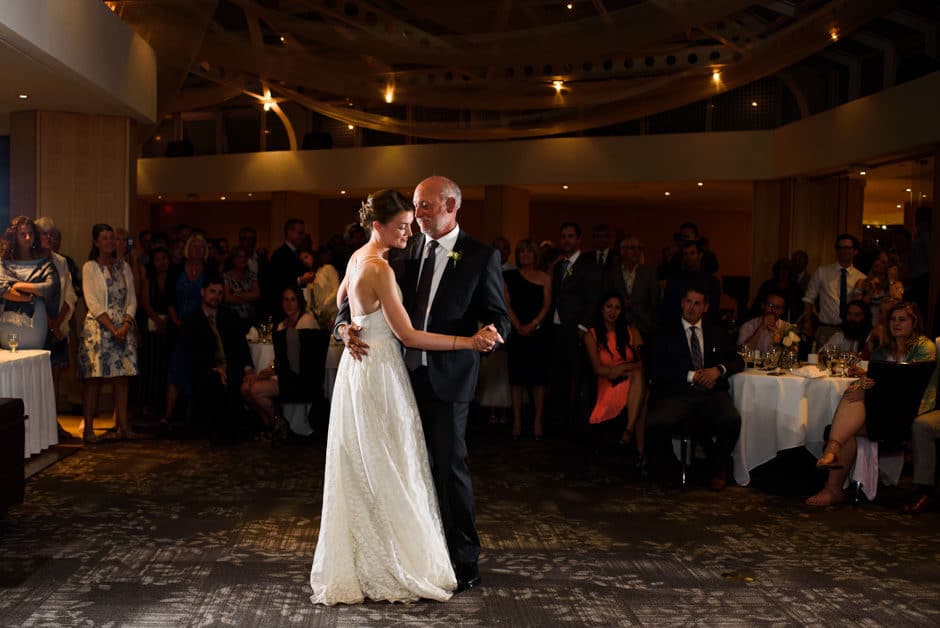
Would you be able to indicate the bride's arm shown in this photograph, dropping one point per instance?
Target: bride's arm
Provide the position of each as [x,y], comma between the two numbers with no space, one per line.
[341,293]
[400,322]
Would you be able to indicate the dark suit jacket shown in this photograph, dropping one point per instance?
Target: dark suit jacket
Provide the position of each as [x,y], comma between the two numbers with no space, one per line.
[200,346]
[670,359]
[575,293]
[282,271]
[470,293]
[675,290]
[612,261]
[643,308]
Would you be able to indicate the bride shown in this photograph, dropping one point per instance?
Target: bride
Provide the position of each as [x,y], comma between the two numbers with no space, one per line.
[380,529]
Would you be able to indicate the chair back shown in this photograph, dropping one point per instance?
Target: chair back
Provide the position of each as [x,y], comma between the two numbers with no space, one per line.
[891,405]
[307,384]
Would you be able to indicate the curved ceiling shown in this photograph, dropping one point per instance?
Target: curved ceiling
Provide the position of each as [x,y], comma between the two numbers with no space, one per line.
[489,69]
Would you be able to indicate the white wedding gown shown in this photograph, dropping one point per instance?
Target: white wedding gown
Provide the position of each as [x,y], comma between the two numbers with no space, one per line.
[380,530]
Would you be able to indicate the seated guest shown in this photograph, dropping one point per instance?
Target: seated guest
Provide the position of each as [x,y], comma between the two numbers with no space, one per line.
[261,392]
[808,325]
[218,359]
[905,343]
[854,329]
[612,346]
[782,284]
[692,273]
[758,333]
[879,333]
[924,434]
[689,364]
[320,294]
[29,286]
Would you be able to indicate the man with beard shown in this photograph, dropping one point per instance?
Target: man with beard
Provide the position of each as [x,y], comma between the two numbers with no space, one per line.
[854,329]
[758,333]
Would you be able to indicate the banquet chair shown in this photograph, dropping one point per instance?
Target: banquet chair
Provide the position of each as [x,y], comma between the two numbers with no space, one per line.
[301,391]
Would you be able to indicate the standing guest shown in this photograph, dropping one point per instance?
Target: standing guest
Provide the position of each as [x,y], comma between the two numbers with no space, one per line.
[832,285]
[187,297]
[905,343]
[758,333]
[691,274]
[285,268]
[688,232]
[878,284]
[122,244]
[604,254]
[218,360]
[108,349]
[576,283]
[799,260]
[60,324]
[242,291]
[637,283]
[504,247]
[159,332]
[780,283]
[613,348]
[261,392]
[29,286]
[257,259]
[217,258]
[690,363]
[855,329]
[320,294]
[528,293]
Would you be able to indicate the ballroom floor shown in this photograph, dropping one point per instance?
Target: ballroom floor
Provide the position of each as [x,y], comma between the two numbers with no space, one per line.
[164,532]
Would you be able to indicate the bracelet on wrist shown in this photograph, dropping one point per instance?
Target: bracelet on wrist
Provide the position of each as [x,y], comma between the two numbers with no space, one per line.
[454,346]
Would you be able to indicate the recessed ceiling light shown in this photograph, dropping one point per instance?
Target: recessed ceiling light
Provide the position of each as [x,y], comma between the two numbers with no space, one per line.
[24,96]
[564,187]
[923,196]
[250,195]
[221,198]
[898,206]
[834,34]
[282,39]
[342,191]
[389,94]
[907,189]
[862,172]
[700,183]
[350,127]
[159,197]
[569,6]
[884,227]
[558,85]
[667,193]
[716,76]
[753,103]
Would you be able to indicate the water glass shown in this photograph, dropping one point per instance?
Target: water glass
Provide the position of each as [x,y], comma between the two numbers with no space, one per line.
[13,341]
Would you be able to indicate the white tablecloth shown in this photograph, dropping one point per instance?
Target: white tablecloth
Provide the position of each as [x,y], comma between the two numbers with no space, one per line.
[781,412]
[262,354]
[27,375]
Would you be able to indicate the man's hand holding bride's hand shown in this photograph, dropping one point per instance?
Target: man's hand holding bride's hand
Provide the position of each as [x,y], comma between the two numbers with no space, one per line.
[349,334]
[486,339]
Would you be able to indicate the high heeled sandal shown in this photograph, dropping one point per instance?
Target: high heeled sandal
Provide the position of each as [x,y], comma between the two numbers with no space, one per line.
[832,463]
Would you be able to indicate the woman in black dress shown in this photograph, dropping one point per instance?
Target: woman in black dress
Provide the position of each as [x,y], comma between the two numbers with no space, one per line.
[528,300]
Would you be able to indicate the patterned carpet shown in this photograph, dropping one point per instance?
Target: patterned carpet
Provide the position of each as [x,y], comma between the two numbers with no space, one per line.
[167,533]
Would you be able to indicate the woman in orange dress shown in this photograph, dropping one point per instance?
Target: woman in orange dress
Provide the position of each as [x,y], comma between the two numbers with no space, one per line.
[612,345]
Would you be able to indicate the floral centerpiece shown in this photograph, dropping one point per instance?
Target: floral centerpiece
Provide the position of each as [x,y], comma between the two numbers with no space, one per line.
[786,341]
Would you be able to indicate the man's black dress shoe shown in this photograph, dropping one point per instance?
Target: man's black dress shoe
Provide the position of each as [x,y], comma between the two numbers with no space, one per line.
[468,576]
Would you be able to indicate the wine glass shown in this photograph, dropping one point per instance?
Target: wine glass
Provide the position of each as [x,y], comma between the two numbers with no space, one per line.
[13,341]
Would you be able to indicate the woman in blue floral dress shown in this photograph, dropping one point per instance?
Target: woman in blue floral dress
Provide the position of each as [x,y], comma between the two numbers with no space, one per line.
[108,348]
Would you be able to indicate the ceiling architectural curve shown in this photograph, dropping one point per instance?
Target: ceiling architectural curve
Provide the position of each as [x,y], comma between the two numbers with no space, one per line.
[493,69]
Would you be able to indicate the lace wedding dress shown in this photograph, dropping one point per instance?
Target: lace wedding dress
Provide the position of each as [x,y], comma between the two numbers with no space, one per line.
[380,531]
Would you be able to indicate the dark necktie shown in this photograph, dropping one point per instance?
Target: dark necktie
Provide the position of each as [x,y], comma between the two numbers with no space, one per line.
[219,356]
[843,293]
[422,297]
[696,350]
[565,265]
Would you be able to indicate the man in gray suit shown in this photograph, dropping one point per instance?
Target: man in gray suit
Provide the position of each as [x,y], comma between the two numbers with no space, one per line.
[638,284]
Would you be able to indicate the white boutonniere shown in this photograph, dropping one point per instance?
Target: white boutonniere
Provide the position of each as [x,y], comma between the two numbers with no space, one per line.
[454,257]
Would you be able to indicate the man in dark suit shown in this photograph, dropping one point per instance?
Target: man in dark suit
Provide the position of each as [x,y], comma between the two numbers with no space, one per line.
[285,268]
[576,284]
[464,288]
[219,360]
[605,255]
[689,365]
[637,283]
[691,274]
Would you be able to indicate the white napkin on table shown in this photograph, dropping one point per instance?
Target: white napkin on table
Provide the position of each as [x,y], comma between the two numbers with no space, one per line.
[252,335]
[810,371]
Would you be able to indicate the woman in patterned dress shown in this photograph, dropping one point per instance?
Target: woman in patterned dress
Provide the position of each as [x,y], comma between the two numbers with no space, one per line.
[108,348]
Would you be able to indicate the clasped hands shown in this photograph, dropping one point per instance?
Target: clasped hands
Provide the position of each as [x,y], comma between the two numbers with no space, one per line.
[484,340]
[706,378]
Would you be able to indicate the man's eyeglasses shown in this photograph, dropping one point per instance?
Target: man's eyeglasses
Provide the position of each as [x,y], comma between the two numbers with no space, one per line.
[775,307]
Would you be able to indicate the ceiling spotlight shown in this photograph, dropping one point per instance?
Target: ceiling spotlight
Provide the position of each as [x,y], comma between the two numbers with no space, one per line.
[350,127]
[667,193]
[156,138]
[898,206]
[569,6]
[564,187]
[716,76]
[834,34]
[907,189]
[753,103]
[389,94]
[923,196]
[282,39]
[884,227]
[249,195]
[159,197]
[868,226]
[558,85]
[342,191]
[700,183]
[267,106]
[24,96]
[221,198]
[862,172]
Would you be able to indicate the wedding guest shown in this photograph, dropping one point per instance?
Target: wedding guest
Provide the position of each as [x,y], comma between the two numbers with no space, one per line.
[879,332]
[122,244]
[60,324]
[690,362]
[504,247]
[924,434]
[604,254]
[808,324]
[159,332]
[877,285]
[905,343]
[257,259]
[528,294]
[758,333]
[688,232]
[781,283]
[637,283]
[242,290]
[108,349]
[261,392]
[832,284]
[320,294]
[613,348]
[854,331]
[29,286]
[692,273]
[285,268]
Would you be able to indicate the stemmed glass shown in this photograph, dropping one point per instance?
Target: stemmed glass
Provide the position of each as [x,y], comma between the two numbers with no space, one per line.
[13,341]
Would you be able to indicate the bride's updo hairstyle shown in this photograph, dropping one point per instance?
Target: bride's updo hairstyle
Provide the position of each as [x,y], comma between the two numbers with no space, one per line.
[383,206]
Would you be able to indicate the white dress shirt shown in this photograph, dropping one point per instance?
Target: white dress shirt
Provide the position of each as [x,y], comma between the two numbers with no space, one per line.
[825,285]
[441,259]
[765,339]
